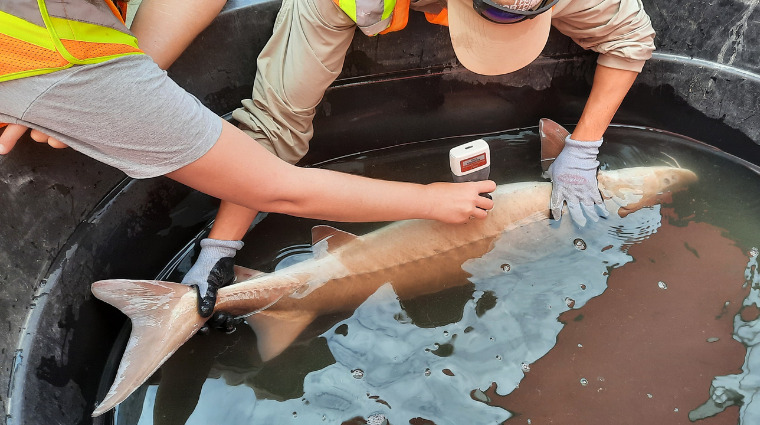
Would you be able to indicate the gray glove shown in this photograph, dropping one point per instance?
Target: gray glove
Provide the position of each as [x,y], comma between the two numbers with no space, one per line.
[573,176]
[213,269]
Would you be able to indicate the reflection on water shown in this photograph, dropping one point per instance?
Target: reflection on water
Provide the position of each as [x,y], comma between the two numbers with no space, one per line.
[628,318]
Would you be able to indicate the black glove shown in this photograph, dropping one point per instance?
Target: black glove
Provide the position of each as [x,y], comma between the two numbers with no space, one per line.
[213,269]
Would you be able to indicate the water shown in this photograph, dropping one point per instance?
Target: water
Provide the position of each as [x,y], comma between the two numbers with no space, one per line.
[628,318]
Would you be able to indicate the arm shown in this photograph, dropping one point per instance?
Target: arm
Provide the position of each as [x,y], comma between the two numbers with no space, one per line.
[311,35]
[621,32]
[607,92]
[274,185]
[573,173]
[164,28]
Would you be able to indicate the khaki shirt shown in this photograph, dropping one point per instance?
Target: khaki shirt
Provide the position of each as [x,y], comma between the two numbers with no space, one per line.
[306,51]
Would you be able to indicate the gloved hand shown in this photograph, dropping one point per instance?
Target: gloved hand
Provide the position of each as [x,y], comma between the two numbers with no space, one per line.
[221,321]
[213,269]
[573,176]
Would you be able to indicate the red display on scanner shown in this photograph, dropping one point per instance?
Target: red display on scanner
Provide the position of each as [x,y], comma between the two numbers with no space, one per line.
[472,163]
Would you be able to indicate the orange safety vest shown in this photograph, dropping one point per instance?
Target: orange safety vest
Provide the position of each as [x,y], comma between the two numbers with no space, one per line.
[373,17]
[44,38]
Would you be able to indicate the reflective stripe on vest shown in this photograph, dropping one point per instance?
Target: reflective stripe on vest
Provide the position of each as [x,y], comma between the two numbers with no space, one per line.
[375,17]
[27,49]
[371,16]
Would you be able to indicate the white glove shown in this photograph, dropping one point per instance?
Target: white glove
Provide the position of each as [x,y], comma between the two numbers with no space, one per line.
[573,176]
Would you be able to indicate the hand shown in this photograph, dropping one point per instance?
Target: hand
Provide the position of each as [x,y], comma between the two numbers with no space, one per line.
[213,269]
[221,321]
[461,202]
[573,176]
[13,133]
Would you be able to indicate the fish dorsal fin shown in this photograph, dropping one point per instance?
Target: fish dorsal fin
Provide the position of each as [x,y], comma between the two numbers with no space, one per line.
[335,238]
[552,141]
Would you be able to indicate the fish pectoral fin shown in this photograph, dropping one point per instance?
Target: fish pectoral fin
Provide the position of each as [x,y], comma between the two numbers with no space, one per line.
[276,331]
[244,273]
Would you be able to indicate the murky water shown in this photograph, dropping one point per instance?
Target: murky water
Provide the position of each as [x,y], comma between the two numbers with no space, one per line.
[626,321]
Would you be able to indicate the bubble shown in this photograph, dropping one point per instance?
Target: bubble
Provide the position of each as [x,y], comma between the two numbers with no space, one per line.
[295,414]
[580,244]
[584,381]
[377,419]
[753,252]
[446,333]
[570,302]
[357,373]
[506,267]
[719,395]
[675,410]
[427,372]
[498,357]
[583,287]
[662,285]
[525,367]
[580,345]
[649,395]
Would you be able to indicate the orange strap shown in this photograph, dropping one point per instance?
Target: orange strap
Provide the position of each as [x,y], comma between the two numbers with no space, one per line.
[400,16]
[3,124]
[440,18]
[20,56]
[118,8]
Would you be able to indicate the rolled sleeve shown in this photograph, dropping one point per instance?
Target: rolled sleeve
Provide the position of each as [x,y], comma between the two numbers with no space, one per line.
[619,30]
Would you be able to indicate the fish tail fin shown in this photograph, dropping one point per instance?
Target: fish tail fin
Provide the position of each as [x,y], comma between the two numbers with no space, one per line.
[276,331]
[164,315]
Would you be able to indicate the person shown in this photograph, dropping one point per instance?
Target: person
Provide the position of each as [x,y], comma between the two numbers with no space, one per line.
[489,37]
[74,74]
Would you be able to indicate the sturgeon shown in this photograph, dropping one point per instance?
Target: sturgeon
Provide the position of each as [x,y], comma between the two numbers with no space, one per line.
[417,257]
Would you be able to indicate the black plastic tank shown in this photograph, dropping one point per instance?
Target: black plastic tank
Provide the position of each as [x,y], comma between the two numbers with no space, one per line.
[69,221]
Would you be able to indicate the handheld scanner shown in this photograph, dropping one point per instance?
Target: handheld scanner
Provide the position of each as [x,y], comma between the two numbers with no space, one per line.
[470,161]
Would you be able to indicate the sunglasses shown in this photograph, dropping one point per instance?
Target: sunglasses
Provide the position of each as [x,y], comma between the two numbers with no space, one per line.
[504,15]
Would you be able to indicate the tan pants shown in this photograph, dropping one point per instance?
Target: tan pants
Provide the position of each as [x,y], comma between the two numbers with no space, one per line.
[298,64]
[311,37]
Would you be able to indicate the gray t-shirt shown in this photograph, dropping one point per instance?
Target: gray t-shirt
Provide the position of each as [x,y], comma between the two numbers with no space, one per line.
[125,112]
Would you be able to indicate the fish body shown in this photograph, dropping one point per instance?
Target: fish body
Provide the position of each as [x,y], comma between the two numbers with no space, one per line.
[416,257]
